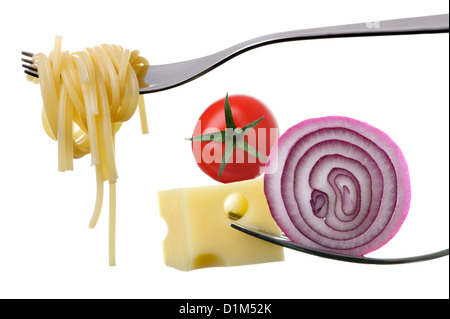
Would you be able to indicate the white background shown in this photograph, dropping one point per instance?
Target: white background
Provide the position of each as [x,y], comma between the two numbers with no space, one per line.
[398,84]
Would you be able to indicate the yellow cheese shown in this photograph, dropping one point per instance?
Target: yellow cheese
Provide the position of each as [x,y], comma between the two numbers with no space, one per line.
[199,226]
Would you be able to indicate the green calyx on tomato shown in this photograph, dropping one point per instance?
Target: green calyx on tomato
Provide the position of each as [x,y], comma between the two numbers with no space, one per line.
[232,136]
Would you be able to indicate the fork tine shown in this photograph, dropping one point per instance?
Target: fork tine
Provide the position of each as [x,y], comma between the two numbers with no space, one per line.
[29,67]
[27,61]
[28,54]
[31,73]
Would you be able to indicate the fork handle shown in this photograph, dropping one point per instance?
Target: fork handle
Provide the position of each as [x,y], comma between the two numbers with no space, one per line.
[417,25]
[163,77]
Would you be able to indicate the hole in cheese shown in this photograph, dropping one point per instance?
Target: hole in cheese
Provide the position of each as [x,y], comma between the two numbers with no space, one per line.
[235,206]
[207,260]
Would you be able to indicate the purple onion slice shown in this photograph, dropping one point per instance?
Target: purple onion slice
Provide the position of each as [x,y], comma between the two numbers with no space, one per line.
[337,184]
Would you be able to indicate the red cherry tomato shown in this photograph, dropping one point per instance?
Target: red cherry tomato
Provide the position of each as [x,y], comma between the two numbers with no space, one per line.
[233,144]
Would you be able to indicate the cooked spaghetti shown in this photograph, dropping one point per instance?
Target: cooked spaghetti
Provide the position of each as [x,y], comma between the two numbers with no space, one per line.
[87,95]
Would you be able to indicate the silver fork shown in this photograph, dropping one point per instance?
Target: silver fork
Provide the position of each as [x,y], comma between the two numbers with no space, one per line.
[157,78]
[283,241]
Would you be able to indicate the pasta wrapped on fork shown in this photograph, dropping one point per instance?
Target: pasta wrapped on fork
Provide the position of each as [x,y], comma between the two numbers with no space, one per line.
[87,95]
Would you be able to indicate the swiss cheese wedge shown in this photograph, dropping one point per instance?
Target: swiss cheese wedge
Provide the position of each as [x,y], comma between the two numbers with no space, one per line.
[199,226]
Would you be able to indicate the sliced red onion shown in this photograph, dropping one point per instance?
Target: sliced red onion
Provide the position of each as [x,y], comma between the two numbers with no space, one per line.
[337,184]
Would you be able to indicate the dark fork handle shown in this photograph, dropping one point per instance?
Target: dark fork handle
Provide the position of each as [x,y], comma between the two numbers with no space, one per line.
[166,76]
